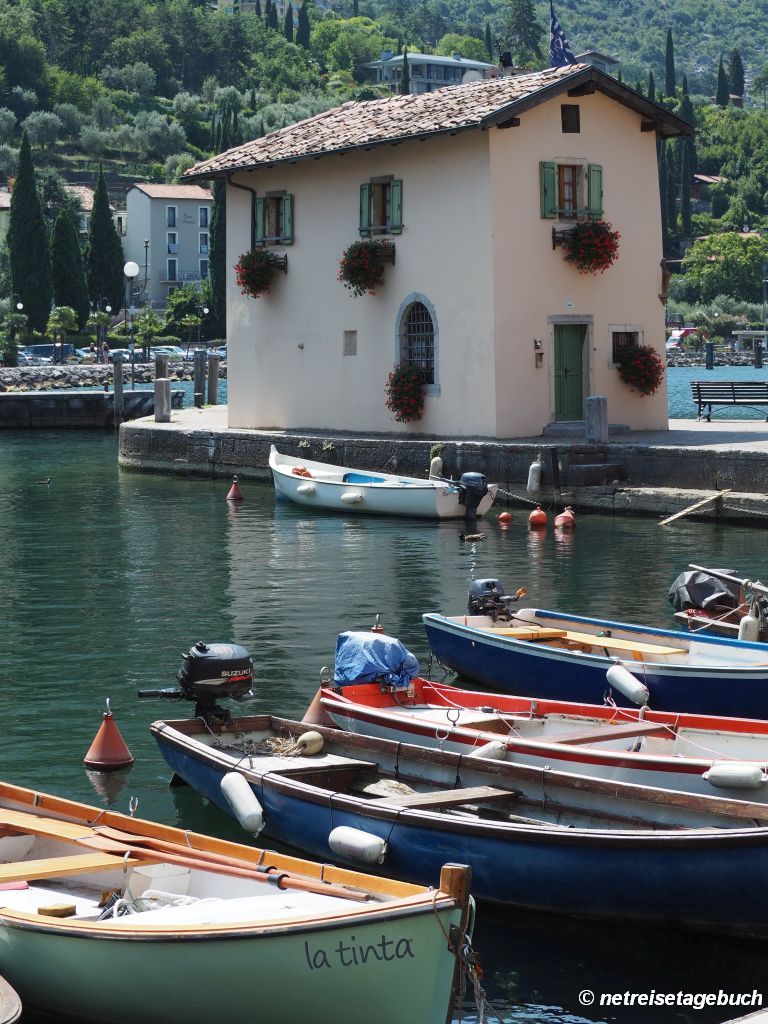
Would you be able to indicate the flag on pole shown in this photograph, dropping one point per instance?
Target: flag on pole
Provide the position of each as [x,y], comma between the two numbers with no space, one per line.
[560,53]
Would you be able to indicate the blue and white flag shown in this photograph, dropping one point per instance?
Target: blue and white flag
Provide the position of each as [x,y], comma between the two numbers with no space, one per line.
[560,53]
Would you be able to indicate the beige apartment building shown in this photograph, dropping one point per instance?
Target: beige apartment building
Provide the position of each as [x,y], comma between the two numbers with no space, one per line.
[474,186]
[167,233]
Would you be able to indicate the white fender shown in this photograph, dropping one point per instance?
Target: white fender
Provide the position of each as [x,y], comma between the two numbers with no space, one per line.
[495,749]
[357,845]
[241,798]
[310,743]
[621,679]
[351,497]
[306,489]
[732,775]
[749,628]
[534,477]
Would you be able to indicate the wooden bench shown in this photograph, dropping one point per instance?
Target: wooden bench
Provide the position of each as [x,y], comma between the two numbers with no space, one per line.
[728,392]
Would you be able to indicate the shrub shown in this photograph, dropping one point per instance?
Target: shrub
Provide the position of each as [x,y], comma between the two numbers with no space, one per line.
[405,394]
[642,368]
[7,124]
[42,127]
[93,140]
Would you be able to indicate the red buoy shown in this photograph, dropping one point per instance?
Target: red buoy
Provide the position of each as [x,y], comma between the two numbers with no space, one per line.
[234,493]
[108,750]
[505,517]
[537,518]
[566,520]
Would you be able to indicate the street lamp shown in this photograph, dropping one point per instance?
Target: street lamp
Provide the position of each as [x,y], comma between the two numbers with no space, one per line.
[131,272]
[202,311]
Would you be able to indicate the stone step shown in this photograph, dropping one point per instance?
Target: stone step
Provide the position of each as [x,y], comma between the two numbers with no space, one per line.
[578,428]
[594,475]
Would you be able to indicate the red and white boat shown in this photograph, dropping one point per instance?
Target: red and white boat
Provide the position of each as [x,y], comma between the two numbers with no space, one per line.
[693,753]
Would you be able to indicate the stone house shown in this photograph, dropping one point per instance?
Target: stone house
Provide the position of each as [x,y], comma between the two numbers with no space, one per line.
[475,186]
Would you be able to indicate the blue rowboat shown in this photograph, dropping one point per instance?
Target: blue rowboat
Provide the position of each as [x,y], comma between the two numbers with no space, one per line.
[535,838]
[535,652]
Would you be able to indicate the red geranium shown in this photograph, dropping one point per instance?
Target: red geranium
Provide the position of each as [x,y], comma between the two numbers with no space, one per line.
[361,267]
[641,367]
[405,393]
[254,272]
[592,246]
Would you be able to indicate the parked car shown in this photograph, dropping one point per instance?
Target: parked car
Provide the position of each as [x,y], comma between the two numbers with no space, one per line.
[219,350]
[44,353]
[174,351]
[124,352]
[29,358]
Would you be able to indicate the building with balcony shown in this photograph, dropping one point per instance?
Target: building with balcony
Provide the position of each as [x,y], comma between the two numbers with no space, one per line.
[427,71]
[175,220]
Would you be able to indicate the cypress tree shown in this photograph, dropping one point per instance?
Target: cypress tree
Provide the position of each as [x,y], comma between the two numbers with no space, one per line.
[722,96]
[288,23]
[217,261]
[618,76]
[488,40]
[69,285]
[405,80]
[28,252]
[685,85]
[663,196]
[267,11]
[651,87]
[272,18]
[104,254]
[670,82]
[686,174]
[355,9]
[302,28]
[736,74]
[671,194]
[257,9]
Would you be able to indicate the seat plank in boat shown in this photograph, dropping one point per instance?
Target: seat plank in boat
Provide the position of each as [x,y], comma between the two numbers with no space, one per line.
[615,732]
[449,797]
[53,867]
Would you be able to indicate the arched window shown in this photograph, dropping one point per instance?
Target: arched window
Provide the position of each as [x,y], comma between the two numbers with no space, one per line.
[417,340]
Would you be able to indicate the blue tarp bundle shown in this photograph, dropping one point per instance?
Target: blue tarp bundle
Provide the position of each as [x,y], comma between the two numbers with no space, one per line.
[371,657]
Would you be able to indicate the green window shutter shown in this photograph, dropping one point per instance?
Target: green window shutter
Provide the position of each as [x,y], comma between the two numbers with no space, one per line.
[287,220]
[365,209]
[595,199]
[548,190]
[258,212]
[396,207]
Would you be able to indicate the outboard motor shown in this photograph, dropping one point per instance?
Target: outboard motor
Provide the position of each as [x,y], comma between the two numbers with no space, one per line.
[473,487]
[208,673]
[487,597]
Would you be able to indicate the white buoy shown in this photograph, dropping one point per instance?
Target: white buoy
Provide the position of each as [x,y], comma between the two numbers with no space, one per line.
[306,489]
[436,468]
[495,749]
[351,497]
[732,775]
[534,477]
[310,743]
[241,798]
[357,845]
[749,628]
[621,679]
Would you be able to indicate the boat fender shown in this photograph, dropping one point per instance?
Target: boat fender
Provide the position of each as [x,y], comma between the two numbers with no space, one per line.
[357,845]
[241,798]
[736,776]
[534,477]
[495,749]
[621,679]
[351,497]
[749,628]
[310,743]
[305,489]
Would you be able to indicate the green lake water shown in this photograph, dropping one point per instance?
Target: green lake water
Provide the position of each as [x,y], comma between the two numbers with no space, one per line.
[107,577]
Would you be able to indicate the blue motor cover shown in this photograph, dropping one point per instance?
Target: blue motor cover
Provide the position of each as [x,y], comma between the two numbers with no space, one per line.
[371,658]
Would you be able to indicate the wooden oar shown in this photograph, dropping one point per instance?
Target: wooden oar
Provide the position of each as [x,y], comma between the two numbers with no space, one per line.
[111,840]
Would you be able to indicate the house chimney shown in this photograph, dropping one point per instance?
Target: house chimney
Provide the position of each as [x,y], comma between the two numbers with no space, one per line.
[386,55]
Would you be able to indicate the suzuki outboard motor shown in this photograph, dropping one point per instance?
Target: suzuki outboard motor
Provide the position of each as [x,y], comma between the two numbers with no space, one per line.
[487,597]
[208,673]
[473,487]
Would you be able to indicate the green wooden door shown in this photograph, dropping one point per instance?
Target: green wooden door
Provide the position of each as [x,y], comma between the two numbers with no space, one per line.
[569,385]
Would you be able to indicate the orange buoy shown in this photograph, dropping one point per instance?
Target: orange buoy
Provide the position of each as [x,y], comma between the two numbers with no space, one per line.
[108,750]
[537,518]
[234,493]
[505,517]
[566,519]
[377,626]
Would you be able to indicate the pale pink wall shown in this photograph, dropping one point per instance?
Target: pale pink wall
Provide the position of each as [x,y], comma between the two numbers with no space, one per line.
[532,282]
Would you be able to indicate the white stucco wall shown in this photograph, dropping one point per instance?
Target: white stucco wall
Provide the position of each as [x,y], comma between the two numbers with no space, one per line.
[533,285]
[285,350]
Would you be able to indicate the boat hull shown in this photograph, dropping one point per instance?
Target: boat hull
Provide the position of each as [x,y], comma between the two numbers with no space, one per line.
[535,670]
[654,878]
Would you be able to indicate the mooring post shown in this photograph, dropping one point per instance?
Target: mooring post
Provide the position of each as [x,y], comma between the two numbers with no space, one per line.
[118,403]
[199,377]
[213,380]
[162,400]
[597,419]
[758,353]
[456,880]
[161,366]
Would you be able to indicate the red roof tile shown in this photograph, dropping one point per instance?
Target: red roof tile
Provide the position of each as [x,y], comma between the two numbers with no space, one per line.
[173,191]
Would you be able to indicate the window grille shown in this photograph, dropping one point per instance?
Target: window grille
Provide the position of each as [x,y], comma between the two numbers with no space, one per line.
[419,341]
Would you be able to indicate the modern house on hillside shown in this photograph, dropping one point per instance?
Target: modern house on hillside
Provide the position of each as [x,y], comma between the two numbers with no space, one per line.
[427,71]
[476,187]
[175,222]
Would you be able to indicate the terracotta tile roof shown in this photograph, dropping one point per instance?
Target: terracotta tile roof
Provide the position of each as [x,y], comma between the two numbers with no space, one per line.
[376,122]
[84,193]
[5,200]
[173,191]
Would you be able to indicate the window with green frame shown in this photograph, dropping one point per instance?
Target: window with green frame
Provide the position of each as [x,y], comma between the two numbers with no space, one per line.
[381,207]
[568,191]
[273,214]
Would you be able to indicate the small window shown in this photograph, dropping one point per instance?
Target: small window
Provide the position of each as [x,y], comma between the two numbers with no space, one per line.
[417,341]
[173,269]
[570,118]
[204,243]
[203,268]
[203,222]
[568,190]
[170,216]
[173,242]
[620,342]
[274,219]
[350,343]
[381,207]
